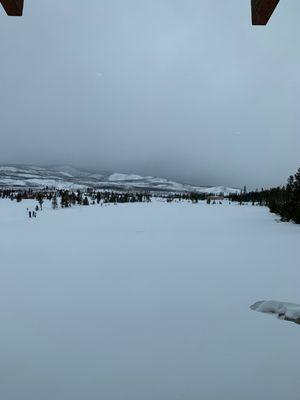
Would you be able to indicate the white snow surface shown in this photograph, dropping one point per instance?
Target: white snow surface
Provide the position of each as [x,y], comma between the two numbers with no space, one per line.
[283,310]
[12,182]
[55,183]
[146,301]
[124,177]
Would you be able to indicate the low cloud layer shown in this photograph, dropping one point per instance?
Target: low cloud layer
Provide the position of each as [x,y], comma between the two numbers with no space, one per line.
[187,90]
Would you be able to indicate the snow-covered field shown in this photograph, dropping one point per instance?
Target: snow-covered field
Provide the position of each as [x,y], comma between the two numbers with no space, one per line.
[146,301]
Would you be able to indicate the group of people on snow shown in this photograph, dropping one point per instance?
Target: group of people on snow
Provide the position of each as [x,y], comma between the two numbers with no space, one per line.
[33,213]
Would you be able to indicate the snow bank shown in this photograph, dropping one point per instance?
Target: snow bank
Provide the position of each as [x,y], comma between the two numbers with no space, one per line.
[283,310]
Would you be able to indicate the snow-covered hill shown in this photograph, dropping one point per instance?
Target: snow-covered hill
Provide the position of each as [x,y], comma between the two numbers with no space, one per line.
[67,177]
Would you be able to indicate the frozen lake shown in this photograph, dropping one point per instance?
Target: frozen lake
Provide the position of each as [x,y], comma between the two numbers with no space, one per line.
[146,301]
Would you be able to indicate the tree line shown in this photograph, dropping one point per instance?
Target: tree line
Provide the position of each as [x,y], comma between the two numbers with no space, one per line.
[283,200]
[69,198]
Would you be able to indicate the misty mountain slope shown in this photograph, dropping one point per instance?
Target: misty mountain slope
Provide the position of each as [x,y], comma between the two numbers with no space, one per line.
[68,177]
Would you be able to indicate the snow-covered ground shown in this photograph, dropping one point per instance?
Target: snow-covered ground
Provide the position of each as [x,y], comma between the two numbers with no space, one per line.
[146,301]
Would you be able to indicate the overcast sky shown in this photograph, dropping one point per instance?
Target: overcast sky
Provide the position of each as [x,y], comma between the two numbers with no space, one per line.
[182,89]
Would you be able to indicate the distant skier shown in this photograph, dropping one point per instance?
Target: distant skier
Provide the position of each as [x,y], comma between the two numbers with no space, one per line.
[29,212]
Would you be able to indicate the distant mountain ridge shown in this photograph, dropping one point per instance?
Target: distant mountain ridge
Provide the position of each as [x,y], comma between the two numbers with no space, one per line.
[68,177]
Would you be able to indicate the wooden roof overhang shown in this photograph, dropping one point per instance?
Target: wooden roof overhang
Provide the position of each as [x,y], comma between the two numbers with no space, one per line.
[262,11]
[13,7]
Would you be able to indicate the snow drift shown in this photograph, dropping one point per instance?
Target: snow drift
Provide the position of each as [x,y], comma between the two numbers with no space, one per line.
[283,310]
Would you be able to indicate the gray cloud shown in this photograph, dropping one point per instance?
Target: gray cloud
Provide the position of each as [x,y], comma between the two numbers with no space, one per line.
[188,90]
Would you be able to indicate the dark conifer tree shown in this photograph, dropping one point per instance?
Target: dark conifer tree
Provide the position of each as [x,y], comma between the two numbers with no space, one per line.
[54,202]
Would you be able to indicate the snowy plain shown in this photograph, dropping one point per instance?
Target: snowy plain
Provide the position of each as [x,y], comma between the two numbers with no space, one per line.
[146,301]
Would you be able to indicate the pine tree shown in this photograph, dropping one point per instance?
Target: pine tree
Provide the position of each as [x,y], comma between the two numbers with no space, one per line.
[40,200]
[19,197]
[54,202]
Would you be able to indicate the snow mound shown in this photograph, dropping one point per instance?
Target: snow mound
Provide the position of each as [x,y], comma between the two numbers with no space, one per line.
[283,310]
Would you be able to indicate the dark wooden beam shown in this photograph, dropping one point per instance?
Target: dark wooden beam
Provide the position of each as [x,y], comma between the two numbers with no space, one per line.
[262,11]
[13,7]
